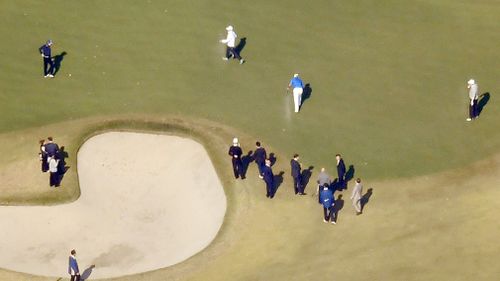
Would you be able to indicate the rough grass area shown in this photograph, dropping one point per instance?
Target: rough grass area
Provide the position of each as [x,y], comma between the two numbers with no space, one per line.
[412,229]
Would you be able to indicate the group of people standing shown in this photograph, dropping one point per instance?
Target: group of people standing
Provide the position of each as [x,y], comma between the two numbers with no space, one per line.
[52,160]
[326,187]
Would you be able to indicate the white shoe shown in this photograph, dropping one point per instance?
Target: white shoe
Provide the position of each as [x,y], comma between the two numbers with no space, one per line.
[242,61]
[51,76]
[324,221]
[224,58]
[333,222]
[468,119]
[46,76]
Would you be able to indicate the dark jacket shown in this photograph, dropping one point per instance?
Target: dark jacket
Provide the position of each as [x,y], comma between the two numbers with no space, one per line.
[295,168]
[260,155]
[341,168]
[235,152]
[268,175]
[326,198]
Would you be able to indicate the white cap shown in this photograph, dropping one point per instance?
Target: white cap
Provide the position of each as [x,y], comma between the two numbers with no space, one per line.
[229,28]
[296,75]
[471,82]
[235,141]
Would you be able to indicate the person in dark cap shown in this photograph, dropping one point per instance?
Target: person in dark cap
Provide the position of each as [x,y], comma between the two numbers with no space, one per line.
[235,152]
[48,63]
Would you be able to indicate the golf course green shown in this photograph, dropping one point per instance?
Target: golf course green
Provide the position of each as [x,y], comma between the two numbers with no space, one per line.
[388,91]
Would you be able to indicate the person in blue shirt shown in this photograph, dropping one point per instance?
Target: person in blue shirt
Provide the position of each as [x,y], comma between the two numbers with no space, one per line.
[48,63]
[327,200]
[297,89]
[73,270]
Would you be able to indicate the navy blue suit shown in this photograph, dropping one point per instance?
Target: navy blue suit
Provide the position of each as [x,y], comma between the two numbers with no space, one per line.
[268,175]
[236,152]
[296,175]
[260,156]
[341,173]
[47,59]
[327,200]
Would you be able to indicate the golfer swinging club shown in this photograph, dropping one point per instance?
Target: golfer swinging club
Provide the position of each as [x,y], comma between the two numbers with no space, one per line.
[298,87]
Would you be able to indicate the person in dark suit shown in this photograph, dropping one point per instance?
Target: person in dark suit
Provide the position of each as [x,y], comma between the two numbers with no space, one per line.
[267,174]
[50,147]
[341,171]
[260,157]
[48,63]
[43,157]
[235,152]
[296,175]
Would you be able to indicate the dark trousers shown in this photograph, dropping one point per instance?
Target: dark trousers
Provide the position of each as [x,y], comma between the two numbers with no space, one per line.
[473,110]
[260,166]
[231,51]
[238,168]
[342,184]
[269,189]
[75,278]
[328,213]
[45,165]
[48,66]
[54,179]
[297,184]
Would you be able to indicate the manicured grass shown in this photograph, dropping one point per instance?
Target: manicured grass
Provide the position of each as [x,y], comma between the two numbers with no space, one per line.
[388,79]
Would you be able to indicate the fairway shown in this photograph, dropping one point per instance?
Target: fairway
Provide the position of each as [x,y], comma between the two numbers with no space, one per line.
[387,90]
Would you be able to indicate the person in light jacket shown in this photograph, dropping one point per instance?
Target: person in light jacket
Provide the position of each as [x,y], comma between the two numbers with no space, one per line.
[473,97]
[356,195]
[54,175]
[230,42]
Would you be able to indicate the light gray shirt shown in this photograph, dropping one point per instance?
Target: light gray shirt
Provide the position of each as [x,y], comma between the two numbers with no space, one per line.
[357,191]
[323,178]
[473,92]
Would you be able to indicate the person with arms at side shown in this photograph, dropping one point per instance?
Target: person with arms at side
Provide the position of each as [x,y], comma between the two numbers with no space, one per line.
[73,270]
[230,42]
[341,171]
[54,175]
[356,195]
[48,63]
[296,175]
[43,157]
[323,178]
[260,156]
[473,97]
[268,179]
[235,152]
[50,147]
[297,90]
[327,200]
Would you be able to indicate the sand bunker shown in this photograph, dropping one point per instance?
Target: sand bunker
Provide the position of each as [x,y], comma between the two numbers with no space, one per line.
[147,202]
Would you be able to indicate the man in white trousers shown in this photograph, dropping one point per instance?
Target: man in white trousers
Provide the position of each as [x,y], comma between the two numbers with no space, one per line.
[297,89]
[230,41]
[473,97]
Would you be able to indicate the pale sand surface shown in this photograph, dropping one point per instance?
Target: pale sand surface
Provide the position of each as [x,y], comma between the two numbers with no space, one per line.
[147,202]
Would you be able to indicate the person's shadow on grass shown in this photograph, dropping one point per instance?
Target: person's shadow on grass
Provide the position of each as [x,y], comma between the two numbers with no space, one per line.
[349,175]
[485,98]
[365,198]
[57,62]
[241,45]
[305,177]
[245,162]
[62,168]
[306,94]
[278,180]
[339,204]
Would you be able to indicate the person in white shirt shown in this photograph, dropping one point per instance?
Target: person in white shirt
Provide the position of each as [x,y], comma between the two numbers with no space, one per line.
[54,175]
[473,97]
[231,46]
